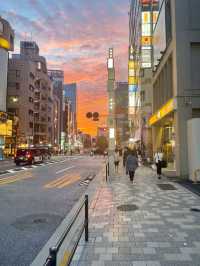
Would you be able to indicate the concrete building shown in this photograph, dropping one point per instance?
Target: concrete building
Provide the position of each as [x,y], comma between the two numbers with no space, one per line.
[176,79]
[68,127]
[70,92]
[30,95]
[121,113]
[57,77]
[6,45]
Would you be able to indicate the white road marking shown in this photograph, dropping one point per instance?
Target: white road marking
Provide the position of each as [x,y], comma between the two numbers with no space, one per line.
[49,164]
[65,169]
[11,171]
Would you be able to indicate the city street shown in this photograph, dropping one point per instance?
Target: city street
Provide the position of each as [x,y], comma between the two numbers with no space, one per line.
[34,200]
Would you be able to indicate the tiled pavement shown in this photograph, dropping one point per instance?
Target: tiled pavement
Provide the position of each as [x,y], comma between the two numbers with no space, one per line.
[163,231]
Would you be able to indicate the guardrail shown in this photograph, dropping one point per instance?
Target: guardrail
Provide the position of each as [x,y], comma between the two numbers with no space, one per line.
[53,251]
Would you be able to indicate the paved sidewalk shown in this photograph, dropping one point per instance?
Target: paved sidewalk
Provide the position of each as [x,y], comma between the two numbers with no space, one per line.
[162,231]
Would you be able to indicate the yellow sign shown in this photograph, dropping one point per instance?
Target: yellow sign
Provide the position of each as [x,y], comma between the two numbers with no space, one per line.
[4,43]
[132,80]
[146,40]
[132,64]
[6,128]
[162,112]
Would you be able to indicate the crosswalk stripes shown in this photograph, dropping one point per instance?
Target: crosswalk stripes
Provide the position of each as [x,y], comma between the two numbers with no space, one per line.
[84,183]
[26,167]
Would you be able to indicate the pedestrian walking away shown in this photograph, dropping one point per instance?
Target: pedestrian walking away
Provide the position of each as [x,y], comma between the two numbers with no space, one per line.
[116,160]
[158,157]
[125,155]
[131,164]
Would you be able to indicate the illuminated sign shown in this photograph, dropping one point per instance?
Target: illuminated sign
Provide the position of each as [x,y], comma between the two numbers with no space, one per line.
[110,63]
[132,88]
[4,43]
[111,133]
[146,40]
[6,128]
[163,111]
[132,80]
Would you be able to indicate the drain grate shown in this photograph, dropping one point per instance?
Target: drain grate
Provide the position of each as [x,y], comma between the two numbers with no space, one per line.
[166,187]
[127,207]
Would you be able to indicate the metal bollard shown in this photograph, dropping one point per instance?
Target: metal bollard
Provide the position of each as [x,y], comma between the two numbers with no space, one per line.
[86,218]
[106,172]
[52,256]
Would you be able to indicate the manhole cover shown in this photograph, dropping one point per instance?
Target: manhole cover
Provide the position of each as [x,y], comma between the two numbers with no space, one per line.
[195,210]
[166,187]
[42,221]
[127,207]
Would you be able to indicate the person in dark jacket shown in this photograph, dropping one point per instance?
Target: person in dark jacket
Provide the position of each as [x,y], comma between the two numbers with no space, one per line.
[131,164]
[125,155]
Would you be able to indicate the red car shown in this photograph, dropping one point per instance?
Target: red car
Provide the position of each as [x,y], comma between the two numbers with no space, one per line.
[29,156]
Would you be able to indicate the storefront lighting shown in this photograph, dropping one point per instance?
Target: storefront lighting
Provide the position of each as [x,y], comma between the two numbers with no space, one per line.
[163,111]
[4,43]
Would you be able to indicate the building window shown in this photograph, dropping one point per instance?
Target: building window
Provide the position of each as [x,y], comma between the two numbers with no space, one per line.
[18,73]
[31,88]
[17,84]
[11,40]
[31,75]
[30,112]
[31,124]
[30,99]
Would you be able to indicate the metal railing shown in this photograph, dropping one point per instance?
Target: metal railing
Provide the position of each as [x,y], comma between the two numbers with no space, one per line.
[53,251]
[107,171]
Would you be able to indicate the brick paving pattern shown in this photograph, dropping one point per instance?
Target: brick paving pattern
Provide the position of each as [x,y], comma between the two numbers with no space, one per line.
[162,232]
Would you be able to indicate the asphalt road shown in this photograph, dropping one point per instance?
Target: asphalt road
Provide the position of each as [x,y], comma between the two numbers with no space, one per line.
[34,201]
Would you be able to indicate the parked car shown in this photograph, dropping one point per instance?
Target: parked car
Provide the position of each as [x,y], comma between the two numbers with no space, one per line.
[28,156]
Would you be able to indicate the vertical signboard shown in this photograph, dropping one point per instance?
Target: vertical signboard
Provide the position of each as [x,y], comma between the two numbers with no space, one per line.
[3,78]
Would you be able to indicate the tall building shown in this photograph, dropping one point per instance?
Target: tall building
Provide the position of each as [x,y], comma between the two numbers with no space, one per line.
[68,136]
[30,95]
[121,113]
[57,77]
[6,45]
[70,92]
[176,79]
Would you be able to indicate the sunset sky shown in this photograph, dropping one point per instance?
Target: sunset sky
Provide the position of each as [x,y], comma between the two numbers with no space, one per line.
[75,35]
